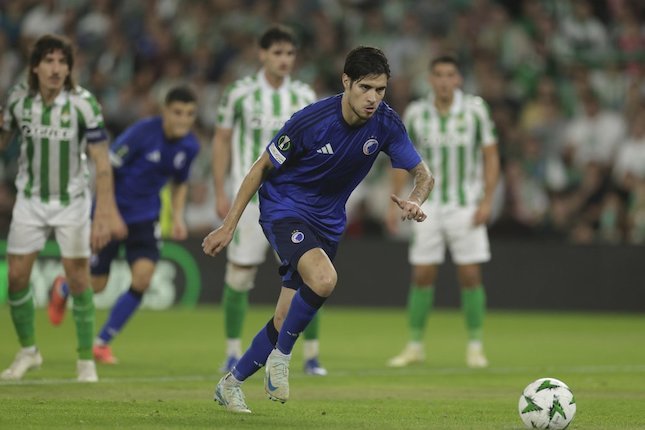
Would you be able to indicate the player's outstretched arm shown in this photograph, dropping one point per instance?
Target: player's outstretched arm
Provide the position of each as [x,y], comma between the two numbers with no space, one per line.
[5,136]
[106,211]
[491,175]
[399,179]
[423,183]
[178,198]
[220,164]
[217,239]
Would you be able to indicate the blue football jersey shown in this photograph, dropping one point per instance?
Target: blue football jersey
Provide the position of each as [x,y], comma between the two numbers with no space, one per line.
[143,160]
[320,160]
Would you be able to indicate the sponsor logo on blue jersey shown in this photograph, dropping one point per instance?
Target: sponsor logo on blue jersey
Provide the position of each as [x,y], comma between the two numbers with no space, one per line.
[370,146]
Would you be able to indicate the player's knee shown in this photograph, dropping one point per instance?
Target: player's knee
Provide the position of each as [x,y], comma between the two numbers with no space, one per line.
[99,283]
[469,276]
[424,275]
[240,279]
[324,283]
[18,279]
[278,319]
[141,285]
[142,271]
[77,281]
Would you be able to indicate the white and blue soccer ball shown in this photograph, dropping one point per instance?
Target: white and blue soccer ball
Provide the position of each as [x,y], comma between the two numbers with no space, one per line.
[547,403]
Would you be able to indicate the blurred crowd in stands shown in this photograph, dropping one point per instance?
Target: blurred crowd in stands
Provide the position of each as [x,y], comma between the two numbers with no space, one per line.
[565,80]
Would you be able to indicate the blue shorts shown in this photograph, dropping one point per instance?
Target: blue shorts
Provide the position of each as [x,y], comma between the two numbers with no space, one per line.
[142,242]
[291,238]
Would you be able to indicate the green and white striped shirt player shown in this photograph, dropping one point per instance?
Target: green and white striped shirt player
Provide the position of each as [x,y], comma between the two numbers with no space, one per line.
[52,164]
[256,112]
[451,146]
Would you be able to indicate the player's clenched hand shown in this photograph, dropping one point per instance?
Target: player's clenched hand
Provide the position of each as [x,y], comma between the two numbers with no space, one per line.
[411,210]
[118,227]
[482,214]
[100,235]
[216,241]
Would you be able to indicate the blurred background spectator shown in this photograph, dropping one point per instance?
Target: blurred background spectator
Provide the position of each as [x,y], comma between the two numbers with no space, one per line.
[565,80]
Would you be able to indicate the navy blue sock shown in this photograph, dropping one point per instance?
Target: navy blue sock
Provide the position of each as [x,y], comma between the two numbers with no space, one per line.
[256,356]
[303,308]
[123,309]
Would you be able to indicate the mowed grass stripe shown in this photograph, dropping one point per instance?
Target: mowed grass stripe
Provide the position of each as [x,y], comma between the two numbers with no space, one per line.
[417,370]
[169,363]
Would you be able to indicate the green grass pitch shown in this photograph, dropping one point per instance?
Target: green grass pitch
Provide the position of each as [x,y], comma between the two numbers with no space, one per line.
[169,364]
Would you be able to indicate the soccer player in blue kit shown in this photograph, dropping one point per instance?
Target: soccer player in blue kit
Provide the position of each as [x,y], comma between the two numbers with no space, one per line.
[144,157]
[304,179]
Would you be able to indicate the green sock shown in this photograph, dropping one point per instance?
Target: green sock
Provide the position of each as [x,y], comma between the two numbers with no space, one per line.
[312,330]
[419,304]
[21,304]
[83,311]
[473,302]
[234,304]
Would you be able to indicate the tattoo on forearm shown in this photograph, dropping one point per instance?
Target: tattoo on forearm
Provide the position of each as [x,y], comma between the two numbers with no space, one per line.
[423,183]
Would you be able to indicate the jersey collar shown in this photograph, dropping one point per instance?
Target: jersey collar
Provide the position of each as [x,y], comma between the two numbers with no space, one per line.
[60,99]
[457,102]
[265,84]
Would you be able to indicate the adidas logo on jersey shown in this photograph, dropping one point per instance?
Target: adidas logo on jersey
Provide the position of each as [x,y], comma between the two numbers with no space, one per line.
[327,149]
[154,156]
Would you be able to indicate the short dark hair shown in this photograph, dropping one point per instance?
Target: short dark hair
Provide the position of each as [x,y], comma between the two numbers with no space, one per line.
[45,45]
[364,61]
[180,94]
[275,34]
[444,59]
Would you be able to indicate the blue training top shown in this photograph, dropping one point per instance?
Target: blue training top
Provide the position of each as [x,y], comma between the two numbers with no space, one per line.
[320,160]
[143,160]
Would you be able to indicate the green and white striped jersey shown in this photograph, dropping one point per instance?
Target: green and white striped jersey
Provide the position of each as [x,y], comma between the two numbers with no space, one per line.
[256,112]
[451,146]
[52,164]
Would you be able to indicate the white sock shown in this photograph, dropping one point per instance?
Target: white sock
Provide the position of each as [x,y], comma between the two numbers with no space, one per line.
[30,349]
[234,347]
[310,349]
[232,380]
[475,344]
[416,345]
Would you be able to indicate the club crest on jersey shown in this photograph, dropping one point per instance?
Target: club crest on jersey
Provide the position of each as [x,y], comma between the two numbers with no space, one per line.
[370,146]
[284,143]
[179,160]
[297,236]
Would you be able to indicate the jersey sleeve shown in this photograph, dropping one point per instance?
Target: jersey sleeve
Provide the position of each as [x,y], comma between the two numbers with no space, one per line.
[91,117]
[408,122]
[8,123]
[287,143]
[308,94]
[16,93]
[400,149]
[182,173]
[487,129]
[226,107]
[125,146]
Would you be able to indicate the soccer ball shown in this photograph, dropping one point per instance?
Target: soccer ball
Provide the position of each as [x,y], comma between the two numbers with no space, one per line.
[547,404]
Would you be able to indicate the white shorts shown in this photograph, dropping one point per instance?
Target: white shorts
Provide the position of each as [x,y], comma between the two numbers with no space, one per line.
[32,222]
[452,226]
[249,245]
